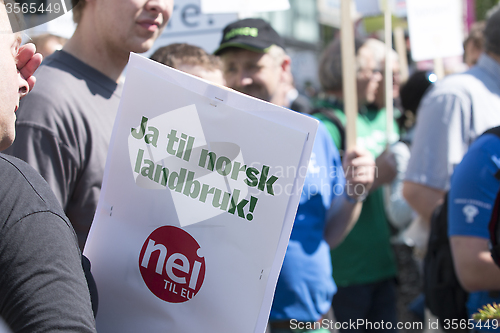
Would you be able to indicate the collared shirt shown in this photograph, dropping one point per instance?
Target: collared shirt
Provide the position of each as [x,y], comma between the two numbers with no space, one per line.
[451,115]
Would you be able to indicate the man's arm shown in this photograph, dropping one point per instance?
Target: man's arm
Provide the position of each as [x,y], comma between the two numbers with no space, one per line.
[475,268]
[386,169]
[423,199]
[438,145]
[340,220]
[359,169]
[42,286]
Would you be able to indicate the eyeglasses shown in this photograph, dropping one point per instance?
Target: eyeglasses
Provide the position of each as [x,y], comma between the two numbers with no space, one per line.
[369,73]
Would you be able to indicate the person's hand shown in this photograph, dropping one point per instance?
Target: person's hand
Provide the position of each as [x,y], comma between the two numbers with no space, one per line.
[27,61]
[386,168]
[359,169]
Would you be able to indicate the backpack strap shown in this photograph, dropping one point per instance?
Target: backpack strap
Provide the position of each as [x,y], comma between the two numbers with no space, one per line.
[444,296]
[494,231]
[494,131]
[330,115]
[495,215]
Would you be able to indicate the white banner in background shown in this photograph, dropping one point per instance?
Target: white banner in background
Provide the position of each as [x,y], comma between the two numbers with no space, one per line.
[239,6]
[376,7]
[189,25]
[200,191]
[435,28]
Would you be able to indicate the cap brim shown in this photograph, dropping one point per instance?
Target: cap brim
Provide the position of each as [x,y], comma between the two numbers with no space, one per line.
[242,46]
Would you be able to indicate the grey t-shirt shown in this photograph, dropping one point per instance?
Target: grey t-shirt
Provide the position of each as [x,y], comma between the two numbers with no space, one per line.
[42,284]
[63,130]
[450,116]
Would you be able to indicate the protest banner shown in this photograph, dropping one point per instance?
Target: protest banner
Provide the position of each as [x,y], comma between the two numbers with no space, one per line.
[199,195]
[435,28]
[243,6]
[330,13]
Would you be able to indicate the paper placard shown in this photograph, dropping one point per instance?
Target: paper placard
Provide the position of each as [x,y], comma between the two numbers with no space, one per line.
[199,195]
[435,28]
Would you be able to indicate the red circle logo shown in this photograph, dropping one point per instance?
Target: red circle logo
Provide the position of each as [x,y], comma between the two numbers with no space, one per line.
[170,264]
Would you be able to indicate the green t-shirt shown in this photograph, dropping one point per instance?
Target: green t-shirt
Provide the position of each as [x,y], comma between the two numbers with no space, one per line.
[366,254]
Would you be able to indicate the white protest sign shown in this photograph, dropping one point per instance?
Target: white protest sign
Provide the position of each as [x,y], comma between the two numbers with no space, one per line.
[239,6]
[435,28]
[329,12]
[376,7]
[199,195]
[370,7]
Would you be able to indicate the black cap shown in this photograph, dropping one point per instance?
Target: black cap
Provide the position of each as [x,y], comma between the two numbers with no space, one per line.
[251,34]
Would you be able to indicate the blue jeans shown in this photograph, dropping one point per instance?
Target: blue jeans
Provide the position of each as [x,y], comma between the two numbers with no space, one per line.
[367,307]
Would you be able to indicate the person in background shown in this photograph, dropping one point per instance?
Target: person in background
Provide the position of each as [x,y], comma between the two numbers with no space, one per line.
[66,140]
[474,43]
[191,59]
[378,49]
[46,44]
[397,210]
[364,263]
[411,93]
[255,63]
[451,115]
[42,282]
[473,190]
[407,241]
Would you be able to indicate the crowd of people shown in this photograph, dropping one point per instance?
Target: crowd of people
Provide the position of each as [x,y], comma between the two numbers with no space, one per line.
[342,261]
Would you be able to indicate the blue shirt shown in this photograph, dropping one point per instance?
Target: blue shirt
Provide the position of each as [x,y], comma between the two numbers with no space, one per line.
[305,286]
[471,199]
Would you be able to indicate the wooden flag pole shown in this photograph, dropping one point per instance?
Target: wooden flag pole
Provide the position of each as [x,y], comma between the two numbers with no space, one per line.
[439,68]
[388,72]
[349,73]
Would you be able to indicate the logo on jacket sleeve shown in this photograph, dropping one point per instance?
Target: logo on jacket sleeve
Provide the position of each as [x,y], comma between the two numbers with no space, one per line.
[470,211]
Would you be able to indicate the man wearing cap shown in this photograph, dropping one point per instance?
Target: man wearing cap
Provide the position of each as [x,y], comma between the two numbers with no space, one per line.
[255,63]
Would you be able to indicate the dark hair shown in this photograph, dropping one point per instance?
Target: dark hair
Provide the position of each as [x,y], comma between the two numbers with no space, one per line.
[492,33]
[176,54]
[411,94]
[330,65]
[476,35]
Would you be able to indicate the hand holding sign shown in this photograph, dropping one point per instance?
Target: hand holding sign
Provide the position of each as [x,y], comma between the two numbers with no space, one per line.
[359,168]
